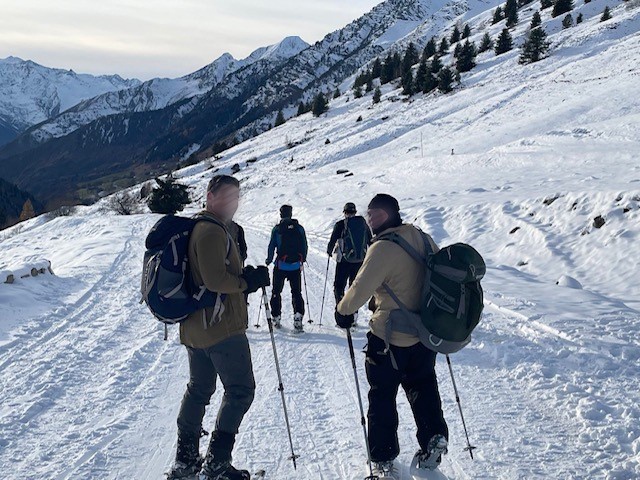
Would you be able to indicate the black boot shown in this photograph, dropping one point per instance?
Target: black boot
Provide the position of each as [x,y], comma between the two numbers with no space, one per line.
[188,460]
[217,462]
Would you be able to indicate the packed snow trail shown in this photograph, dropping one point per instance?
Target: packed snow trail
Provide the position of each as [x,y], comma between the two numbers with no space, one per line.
[90,390]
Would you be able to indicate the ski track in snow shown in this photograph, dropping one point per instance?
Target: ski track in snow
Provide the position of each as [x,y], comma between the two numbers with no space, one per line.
[92,391]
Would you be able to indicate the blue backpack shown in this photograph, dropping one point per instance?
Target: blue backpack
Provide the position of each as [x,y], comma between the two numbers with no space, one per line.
[167,286]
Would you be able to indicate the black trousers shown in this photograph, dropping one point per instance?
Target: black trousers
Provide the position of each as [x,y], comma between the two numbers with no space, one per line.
[295,281]
[416,373]
[345,272]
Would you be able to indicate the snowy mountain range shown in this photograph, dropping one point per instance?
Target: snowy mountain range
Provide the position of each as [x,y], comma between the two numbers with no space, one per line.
[31,93]
[158,123]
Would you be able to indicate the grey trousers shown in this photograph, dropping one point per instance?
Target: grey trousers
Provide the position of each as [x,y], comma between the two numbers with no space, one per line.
[231,361]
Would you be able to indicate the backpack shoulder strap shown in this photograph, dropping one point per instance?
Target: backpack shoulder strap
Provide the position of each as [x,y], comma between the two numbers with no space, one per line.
[202,218]
[406,246]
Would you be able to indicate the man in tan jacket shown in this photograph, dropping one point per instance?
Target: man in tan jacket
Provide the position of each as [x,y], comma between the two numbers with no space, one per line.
[215,339]
[407,362]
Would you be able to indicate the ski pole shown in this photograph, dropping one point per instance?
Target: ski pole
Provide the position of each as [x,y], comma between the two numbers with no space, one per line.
[324,293]
[362,420]
[469,448]
[257,325]
[265,300]
[306,291]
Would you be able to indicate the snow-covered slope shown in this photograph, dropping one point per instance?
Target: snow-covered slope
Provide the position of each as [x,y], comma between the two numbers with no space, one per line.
[31,93]
[88,389]
[161,92]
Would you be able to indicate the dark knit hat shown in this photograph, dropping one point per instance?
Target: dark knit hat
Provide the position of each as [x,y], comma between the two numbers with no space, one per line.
[286,211]
[385,202]
[350,207]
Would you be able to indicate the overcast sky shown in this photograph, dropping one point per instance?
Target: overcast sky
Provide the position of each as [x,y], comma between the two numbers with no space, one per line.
[168,38]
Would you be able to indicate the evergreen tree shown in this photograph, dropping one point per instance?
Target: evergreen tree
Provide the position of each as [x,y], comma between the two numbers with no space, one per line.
[397,65]
[27,211]
[467,58]
[511,13]
[369,86]
[377,95]
[320,105]
[498,16]
[436,65]
[504,42]
[445,80]
[456,51]
[561,6]
[280,118]
[444,47]
[376,70]
[357,91]
[430,49]
[536,20]
[430,83]
[421,76]
[387,70]
[302,108]
[544,4]
[535,46]
[579,18]
[466,32]
[411,57]
[169,197]
[407,83]
[606,15]
[567,21]
[486,43]
[455,35]
[336,93]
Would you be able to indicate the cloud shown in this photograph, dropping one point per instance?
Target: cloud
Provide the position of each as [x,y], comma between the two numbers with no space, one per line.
[145,39]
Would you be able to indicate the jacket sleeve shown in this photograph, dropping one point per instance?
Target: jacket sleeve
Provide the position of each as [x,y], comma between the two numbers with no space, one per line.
[242,243]
[371,276]
[305,245]
[335,236]
[272,244]
[211,252]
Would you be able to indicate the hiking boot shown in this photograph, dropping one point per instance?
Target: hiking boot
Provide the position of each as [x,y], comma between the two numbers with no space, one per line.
[297,323]
[430,459]
[188,460]
[277,321]
[385,470]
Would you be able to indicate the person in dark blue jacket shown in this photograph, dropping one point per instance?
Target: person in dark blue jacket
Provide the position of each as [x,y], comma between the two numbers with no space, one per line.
[289,244]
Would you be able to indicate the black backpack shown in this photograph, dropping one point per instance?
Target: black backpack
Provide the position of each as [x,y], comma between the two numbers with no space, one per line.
[354,240]
[167,286]
[451,301]
[291,248]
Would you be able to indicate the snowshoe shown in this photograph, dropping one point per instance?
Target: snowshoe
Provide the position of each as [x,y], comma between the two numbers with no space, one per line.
[181,470]
[223,471]
[277,321]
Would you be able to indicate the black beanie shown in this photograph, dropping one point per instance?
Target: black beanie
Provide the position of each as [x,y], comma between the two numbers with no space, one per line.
[350,207]
[286,211]
[390,205]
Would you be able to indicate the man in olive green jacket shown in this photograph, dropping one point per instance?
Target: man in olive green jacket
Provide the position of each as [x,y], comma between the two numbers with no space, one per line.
[216,341]
[407,362]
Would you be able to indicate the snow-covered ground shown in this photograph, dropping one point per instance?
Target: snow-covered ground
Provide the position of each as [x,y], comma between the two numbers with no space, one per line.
[549,385]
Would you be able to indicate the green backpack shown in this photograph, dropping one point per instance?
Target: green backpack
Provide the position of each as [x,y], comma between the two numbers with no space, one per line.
[451,302]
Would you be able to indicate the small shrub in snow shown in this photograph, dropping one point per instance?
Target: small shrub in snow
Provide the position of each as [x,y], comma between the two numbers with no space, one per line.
[123,203]
[606,15]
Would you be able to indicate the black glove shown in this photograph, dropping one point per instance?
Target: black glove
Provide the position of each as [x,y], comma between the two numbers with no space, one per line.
[256,278]
[344,321]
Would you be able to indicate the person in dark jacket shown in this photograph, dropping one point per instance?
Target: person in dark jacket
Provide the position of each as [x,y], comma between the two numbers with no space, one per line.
[289,244]
[349,243]
[216,341]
